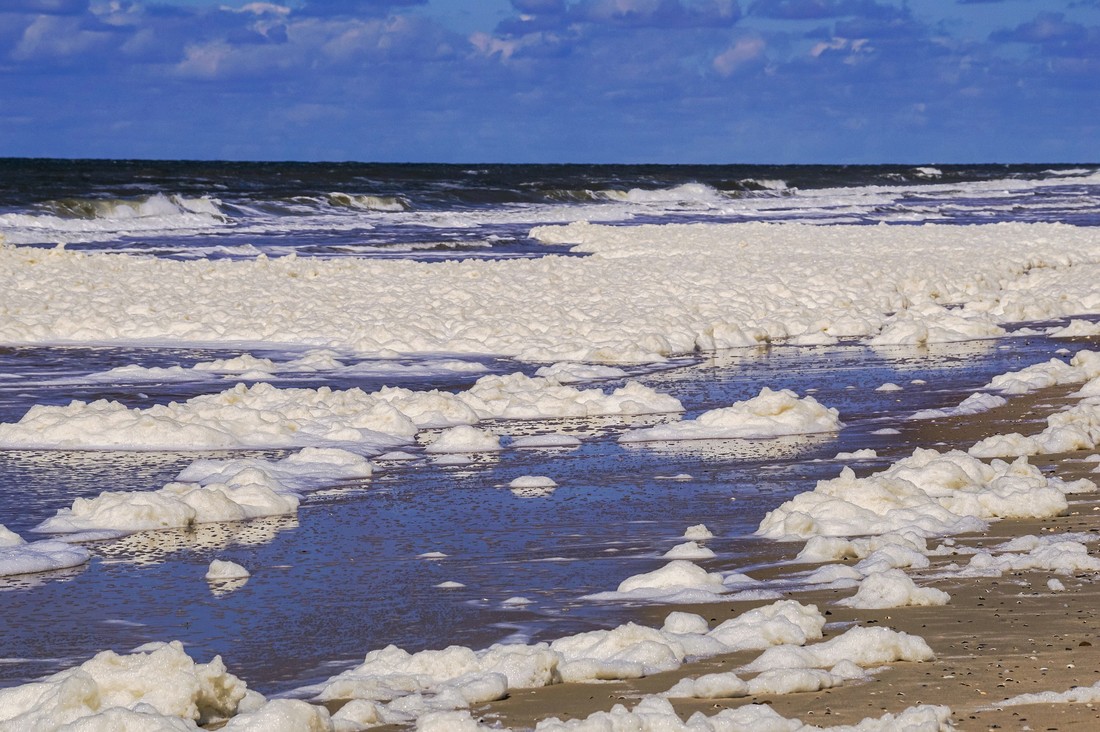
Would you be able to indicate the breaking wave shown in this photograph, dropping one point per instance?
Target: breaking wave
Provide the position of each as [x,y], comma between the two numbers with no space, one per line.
[156,205]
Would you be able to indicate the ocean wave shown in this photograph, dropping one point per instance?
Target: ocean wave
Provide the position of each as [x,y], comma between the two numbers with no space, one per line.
[765,185]
[366,202]
[156,205]
[71,221]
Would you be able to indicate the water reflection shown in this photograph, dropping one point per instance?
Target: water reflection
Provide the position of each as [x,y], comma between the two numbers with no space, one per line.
[349,573]
[154,547]
[755,449]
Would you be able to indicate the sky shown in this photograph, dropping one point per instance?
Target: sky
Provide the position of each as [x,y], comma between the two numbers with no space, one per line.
[554,81]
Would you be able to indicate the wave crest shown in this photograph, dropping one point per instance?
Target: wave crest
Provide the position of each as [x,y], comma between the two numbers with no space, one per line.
[367,202]
[157,204]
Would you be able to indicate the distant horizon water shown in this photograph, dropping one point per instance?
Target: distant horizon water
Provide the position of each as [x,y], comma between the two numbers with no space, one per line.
[426,211]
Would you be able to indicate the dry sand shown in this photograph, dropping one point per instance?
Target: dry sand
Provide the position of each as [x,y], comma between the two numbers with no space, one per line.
[997,638]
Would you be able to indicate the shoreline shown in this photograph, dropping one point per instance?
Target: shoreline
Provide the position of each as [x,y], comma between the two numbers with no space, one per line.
[995,639]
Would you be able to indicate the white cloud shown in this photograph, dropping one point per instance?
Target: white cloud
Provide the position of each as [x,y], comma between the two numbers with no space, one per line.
[740,53]
[54,37]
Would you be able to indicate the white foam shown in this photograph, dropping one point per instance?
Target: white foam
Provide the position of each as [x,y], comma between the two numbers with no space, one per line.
[545,441]
[698,532]
[212,490]
[973,404]
[1076,428]
[893,588]
[655,714]
[770,414]
[866,453]
[9,538]
[464,438]
[532,481]
[243,416]
[22,557]
[1076,329]
[404,686]
[221,569]
[568,373]
[1076,695]
[689,550]
[1084,365]
[677,579]
[263,415]
[859,645]
[927,493]
[1061,557]
[162,684]
[282,715]
[643,294]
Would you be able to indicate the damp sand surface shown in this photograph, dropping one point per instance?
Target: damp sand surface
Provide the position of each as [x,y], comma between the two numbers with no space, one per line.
[997,638]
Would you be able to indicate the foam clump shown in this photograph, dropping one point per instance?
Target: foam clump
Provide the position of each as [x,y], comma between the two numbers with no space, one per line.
[698,532]
[973,404]
[400,687]
[919,325]
[260,415]
[18,556]
[1076,328]
[834,548]
[545,441]
[1061,556]
[656,714]
[928,493]
[567,373]
[1082,367]
[263,415]
[282,715]
[1075,695]
[689,550]
[1076,428]
[212,490]
[893,588]
[770,414]
[9,538]
[161,687]
[859,645]
[532,481]
[225,570]
[866,453]
[517,396]
[674,579]
[464,438]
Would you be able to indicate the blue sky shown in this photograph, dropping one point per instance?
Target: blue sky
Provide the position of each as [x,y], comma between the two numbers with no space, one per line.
[689,81]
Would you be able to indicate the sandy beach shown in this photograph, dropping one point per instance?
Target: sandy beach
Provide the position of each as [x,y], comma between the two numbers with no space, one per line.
[526,485]
[996,638]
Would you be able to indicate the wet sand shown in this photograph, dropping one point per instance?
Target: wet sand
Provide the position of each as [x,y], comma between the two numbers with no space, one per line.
[997,638]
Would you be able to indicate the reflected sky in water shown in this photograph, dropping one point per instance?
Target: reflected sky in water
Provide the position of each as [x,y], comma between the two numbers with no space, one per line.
[345,575]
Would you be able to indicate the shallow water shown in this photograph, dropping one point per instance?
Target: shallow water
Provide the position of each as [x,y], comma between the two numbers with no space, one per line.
[344,576]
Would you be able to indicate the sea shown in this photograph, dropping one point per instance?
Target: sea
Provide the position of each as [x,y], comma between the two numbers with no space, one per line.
[347,574]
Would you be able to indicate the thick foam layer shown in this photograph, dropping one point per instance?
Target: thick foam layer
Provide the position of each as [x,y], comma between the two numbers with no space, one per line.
[646,292]
[927,493]
[771,414]
[22,557]
[159,682]
[212,490]
[263,415]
